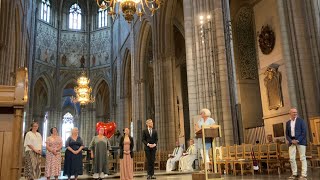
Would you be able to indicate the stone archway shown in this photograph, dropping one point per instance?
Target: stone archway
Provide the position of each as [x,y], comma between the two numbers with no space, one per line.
[181,88]
[40,101]
[126,90]
[102,102]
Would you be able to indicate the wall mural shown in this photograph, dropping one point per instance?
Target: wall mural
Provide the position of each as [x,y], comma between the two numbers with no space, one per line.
[46,44]
[73,50]
[100,48]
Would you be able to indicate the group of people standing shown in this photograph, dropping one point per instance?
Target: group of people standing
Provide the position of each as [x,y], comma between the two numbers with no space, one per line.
[99,146]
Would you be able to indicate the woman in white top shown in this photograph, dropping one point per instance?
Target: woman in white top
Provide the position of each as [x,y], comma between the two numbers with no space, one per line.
[205,120]
[33,147]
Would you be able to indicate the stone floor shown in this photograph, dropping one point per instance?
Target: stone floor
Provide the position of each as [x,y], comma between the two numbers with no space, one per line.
[313,174]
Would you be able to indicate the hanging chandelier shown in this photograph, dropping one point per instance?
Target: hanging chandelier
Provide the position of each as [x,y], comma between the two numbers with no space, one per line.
[130,7]
[83,91]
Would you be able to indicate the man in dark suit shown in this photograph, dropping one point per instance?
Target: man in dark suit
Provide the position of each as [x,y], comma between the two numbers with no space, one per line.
[150,139]
[296,134]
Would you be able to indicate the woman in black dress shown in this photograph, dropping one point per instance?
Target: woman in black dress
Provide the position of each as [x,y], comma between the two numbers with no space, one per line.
[73,155]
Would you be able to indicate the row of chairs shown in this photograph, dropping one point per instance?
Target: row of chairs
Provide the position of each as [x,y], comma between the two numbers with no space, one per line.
[269,157]
[139,160]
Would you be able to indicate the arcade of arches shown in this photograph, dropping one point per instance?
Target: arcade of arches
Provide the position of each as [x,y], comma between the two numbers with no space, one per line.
[247,61]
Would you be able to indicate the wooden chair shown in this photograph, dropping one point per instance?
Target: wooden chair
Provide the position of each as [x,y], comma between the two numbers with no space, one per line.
[43,165]
[315,154]
[284,158]
[157,161]
[224,162]
[140,161]
[273,162]
[256,153]
[263,157]
[232,156]
[244,159]
[164,158]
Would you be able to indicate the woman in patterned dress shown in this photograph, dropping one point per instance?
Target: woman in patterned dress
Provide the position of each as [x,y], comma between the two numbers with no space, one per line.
[33,147]
[53,157]
[126,155]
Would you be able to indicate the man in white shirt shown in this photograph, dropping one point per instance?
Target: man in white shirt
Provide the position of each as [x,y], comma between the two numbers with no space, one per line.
[296,134]
[174,157]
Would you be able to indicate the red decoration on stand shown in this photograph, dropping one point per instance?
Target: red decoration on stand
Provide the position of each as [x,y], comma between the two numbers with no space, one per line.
[109,128]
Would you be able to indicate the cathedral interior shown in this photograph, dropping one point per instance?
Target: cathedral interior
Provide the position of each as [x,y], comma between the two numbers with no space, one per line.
[247,61]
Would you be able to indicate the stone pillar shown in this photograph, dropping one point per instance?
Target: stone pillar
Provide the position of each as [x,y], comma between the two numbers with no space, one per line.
[299,57]
[165,122]
[207,64]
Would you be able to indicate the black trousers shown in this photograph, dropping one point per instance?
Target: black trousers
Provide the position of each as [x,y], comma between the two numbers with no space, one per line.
[151,157]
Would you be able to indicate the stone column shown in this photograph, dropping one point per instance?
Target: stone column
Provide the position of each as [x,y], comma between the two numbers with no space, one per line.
[299,58]
[207,64]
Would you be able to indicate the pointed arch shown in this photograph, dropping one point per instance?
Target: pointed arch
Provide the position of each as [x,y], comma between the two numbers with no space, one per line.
[102,102]
[125,85]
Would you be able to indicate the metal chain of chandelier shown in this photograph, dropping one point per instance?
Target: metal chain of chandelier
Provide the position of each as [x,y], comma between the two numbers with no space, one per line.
[83,91]
[130,7]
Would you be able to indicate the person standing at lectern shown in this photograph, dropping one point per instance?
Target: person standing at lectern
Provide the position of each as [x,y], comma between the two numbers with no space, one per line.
[204,120]
[150,139]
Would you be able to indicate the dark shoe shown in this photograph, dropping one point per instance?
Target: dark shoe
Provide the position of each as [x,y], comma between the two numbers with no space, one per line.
[153,177]
[293,177]
[148,177]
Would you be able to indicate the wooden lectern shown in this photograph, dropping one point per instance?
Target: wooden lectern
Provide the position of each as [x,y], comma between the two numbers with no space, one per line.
[212,132]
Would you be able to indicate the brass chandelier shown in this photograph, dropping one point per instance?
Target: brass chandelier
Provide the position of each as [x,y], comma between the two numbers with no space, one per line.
[83,91]
[130,7]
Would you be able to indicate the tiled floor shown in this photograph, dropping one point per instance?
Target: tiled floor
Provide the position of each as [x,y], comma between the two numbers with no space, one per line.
[313,174]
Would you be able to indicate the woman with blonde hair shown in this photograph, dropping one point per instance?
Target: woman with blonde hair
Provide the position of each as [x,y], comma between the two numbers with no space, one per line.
[100,147]
[204,120]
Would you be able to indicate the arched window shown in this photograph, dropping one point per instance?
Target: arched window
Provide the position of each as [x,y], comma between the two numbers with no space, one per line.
[45,10]
[67,126]
[75,17]
[102,18]
[45,129]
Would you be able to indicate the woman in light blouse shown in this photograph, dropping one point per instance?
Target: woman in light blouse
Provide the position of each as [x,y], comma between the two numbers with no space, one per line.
[33,148]
[205,120]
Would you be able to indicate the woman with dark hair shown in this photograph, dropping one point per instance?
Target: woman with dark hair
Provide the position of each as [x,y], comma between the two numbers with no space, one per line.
[33,146]
[100,147]
[53,157]
[126,156]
